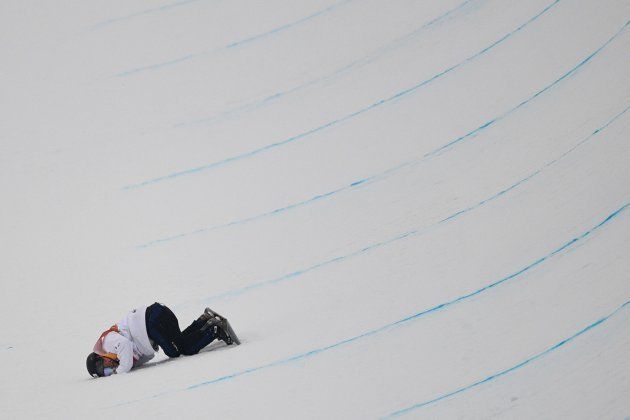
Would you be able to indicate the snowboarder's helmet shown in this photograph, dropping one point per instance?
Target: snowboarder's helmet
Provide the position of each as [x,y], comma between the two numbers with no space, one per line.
[94,364]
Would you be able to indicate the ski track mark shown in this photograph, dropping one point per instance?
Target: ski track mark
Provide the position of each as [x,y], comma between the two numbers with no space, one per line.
[402,321]
[341,119]
[392,170]
[357,64]
[511,369]
[234,44]
[408,234]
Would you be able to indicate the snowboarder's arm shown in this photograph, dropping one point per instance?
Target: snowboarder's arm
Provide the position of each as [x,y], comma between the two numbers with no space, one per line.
[123,348]
[143,359]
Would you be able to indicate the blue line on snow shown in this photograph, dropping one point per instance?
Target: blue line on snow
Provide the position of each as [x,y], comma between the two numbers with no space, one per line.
[511,369]
[394,324]
[288,25]
[499,118]
[241,42]
[342,119]
[389,171]
[169,6]
[408,234]
[424,312]
[353,65]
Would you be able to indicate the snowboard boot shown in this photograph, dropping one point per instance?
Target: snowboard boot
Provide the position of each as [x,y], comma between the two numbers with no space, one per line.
[219,328]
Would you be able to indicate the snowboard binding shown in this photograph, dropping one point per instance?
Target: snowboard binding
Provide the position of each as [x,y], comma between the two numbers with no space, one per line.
[222,328]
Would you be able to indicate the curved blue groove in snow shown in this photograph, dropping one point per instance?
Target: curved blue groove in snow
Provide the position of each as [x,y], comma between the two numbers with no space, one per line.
[414,232]
[389,171]
[511,369]
[233,44]
[566,75]
[142,13]
[353,65]
[342,119]
[410,318]
[426,311]
[288,25]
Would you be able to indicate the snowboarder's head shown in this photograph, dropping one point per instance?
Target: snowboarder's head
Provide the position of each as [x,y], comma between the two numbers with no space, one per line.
[99,365]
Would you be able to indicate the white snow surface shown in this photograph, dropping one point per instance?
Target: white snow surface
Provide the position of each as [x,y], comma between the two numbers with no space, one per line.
[405,208]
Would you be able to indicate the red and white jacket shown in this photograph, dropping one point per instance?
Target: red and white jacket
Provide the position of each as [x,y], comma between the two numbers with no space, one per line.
[127,341]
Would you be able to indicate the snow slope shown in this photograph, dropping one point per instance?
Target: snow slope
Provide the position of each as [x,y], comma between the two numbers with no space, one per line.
[406,209]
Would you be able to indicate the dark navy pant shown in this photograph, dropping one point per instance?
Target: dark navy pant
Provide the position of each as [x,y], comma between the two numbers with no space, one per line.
[163,329]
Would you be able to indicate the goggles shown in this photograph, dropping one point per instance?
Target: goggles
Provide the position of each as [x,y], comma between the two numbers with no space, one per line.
[104,366]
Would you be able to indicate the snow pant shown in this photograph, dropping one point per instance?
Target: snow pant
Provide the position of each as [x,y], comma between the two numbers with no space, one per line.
[163,329]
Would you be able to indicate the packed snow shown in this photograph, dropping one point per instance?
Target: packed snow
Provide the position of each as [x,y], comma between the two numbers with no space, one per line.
[414,209]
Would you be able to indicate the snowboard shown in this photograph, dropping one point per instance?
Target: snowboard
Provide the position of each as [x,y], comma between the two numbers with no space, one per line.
[233,338]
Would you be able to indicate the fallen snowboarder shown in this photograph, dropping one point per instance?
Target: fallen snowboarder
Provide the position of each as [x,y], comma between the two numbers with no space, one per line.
[135,339]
